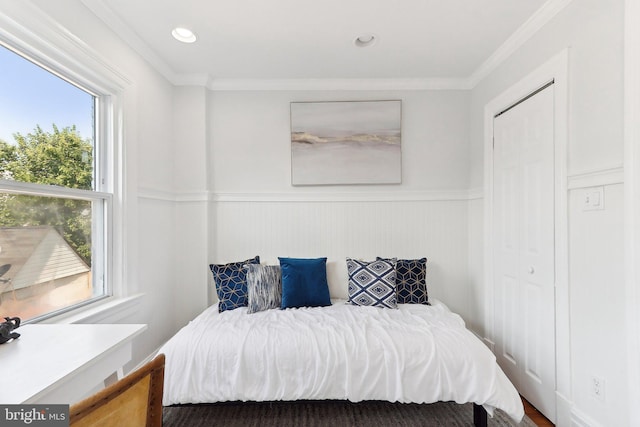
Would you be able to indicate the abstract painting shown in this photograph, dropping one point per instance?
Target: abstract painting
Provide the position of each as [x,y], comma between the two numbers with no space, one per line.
[346,142]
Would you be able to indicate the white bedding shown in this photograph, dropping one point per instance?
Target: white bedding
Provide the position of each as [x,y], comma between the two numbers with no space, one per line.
[418,353]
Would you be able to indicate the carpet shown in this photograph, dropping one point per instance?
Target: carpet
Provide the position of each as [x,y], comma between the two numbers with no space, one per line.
[328,413]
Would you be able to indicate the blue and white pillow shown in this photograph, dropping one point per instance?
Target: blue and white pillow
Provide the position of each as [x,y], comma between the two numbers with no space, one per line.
[372,283]
[231,283]
[264,286]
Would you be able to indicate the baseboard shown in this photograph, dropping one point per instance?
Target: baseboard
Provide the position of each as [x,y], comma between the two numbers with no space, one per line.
[563,410]
[580,419]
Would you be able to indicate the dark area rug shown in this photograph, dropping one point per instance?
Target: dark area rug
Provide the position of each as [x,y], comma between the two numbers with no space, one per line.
[328,413]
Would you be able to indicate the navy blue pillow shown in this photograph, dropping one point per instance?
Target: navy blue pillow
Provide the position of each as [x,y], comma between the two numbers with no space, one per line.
[411,282]
[304,282]
[231,283]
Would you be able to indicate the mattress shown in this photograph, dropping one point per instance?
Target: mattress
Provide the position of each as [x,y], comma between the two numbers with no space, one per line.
[417,353]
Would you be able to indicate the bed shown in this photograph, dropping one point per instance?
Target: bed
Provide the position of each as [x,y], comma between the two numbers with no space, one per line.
[415,353]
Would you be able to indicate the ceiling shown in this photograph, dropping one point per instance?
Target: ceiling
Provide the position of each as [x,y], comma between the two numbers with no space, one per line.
[447,40]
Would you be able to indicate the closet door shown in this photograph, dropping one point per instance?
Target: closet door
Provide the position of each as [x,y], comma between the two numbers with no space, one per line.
[524,270]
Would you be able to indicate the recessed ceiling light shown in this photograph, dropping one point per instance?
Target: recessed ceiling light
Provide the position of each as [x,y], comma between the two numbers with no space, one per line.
[365,40]
[183,35]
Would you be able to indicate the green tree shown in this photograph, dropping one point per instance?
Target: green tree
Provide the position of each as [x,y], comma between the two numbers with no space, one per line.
[60,158]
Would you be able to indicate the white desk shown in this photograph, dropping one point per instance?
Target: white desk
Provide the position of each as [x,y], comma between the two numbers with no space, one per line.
[62,363]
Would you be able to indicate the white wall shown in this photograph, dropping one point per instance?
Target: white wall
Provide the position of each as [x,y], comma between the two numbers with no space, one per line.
[340,229]
[190,106]
[256,211]
[251,143]
[476,315]
[598,329]
[632,194]
[595,156]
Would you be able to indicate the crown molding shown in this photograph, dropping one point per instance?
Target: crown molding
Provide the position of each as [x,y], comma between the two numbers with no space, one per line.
[531,26]
[194,79]
[25,26]
[130,37]
[338,84]
[543,15]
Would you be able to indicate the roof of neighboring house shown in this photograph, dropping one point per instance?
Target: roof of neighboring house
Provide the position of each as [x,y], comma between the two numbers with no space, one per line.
[37,255]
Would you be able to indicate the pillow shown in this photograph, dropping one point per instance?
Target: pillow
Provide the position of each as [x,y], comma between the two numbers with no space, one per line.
[264,287]
[411,281]
[372,283]
[231,283]
[304,282]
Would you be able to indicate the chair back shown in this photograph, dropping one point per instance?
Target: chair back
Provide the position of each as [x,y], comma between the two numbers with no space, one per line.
[135,400]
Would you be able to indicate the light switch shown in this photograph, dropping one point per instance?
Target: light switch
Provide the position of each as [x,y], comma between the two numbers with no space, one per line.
[593,199]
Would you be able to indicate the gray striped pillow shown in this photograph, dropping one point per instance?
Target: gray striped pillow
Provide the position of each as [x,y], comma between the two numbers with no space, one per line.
[264,286]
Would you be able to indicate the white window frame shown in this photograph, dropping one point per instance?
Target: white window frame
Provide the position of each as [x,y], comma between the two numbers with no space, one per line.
[101,220]
[31,33]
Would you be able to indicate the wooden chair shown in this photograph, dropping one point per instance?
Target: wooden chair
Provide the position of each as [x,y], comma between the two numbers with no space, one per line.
[135,400]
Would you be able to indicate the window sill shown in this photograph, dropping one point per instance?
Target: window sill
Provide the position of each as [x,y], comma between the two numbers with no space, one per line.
[108,310]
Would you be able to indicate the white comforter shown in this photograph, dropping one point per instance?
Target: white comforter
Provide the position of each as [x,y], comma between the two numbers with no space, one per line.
[418,353]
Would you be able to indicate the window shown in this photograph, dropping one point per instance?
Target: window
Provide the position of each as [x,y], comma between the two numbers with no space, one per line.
[54,203]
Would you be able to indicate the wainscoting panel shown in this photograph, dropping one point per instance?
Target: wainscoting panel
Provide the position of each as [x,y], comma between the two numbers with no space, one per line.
[359,229]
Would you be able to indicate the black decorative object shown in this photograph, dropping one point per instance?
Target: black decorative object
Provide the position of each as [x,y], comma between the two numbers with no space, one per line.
[6,327]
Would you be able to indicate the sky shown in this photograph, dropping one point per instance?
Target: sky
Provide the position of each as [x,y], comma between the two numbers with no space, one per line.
[30,96]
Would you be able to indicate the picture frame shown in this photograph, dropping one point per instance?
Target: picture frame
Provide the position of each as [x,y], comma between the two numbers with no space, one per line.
[346,142]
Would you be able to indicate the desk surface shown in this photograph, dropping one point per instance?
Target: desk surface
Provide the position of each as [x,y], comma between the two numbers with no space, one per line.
[47,355]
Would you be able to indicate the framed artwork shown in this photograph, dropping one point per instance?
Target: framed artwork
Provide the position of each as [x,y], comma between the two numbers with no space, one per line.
[346,142]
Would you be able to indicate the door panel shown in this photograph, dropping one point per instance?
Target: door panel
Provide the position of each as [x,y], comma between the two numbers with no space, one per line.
[510,348]
[524,256]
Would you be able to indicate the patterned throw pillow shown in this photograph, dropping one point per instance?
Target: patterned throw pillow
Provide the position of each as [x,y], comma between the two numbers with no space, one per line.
[411,281]
[231,283]
[264,287]
[372,283]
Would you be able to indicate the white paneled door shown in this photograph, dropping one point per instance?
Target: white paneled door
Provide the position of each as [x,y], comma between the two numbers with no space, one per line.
[524,266]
